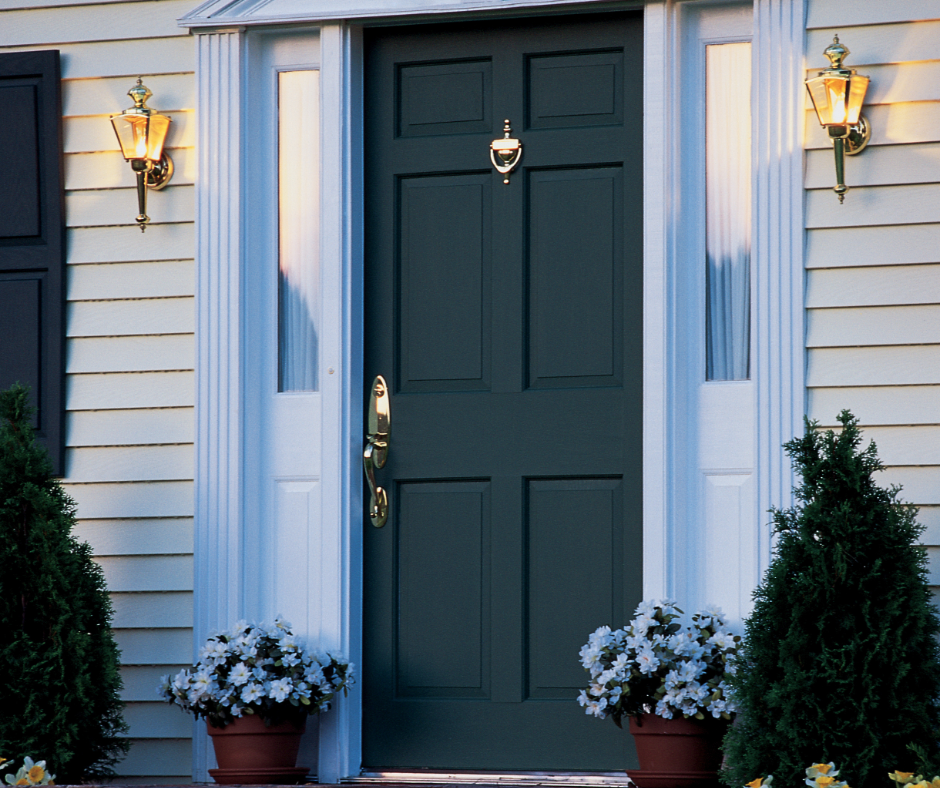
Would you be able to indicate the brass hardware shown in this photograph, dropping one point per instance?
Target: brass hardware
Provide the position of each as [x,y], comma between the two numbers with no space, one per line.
[508,150]
[838,94]
[141,132]
[376,451]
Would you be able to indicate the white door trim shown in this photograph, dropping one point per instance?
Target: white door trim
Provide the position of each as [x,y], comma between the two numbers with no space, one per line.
[223,219]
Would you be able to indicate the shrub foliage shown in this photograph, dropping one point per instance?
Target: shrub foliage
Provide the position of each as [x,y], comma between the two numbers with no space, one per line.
[840,658]
[59,680]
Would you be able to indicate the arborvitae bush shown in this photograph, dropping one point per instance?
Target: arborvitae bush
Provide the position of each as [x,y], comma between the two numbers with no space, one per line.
[59,680]
[840,658]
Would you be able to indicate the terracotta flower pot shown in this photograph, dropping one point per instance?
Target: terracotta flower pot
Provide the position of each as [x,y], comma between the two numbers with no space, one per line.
[677,753]
[248,753]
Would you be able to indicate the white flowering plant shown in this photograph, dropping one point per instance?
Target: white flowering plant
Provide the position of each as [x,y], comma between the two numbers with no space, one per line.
[254,669]
[658,664]
[30,773]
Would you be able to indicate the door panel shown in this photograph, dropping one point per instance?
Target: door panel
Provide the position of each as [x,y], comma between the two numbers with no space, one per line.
[506,319]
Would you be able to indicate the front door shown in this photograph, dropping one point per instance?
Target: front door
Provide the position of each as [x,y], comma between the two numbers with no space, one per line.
[506,319]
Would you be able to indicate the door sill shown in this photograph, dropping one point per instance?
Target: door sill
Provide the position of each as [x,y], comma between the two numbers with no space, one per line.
[509,779]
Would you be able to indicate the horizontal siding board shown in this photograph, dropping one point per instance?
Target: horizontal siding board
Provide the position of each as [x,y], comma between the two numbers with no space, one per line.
[132,499]
[129,390]
[105,207]
[156,610]
[910,284]
[157,720]
[148,573]
[129,427]
[131,280]
[835,14]
[891,124]
[875,245]
[164,757]
[87,134]
[929,517]
[129,463]
[112,21]
[888,325]
[906,445]
[933,570]
[137,537]
[921,485]
[113,58]
[878,366]
[866,206]
[884,43]
[139,317]
[141,681]
[130,354]
[155,647]
[108,170]
[876,404]
[123,244]
[885,165]
[92,96]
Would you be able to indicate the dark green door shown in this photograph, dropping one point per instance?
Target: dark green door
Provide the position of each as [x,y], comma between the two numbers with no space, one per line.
[507,321]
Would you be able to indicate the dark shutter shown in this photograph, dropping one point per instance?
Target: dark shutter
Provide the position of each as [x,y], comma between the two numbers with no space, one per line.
[32,239]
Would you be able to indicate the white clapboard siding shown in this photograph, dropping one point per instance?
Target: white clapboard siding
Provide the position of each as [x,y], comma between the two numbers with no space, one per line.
[129,463]
[130,58]
[121,354]
[910,284]
[918,445]
[933,570]
[93,133]
[105,207]
[891,124]
[836,14]
[123,244]
[131,280]
[108,170]
[141,681]
[914,204]
[876,404]
[137,317]
[929,517]
[873,366]
[163,609]
[148,573]
[144,536]
[169,758]
[132,499]
[113,21]
[875,325]
[155,646]
[129,427]
[874,245]
[883,165]
[894,83]
[129,390]
[920,484]
[92,96]
[157,719]
[884,43]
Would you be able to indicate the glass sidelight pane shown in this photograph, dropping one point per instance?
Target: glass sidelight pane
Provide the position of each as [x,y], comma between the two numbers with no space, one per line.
[728,210]
[298,229]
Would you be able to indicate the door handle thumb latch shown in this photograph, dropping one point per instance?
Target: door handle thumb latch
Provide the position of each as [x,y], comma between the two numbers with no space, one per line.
[505,153]
[376,450]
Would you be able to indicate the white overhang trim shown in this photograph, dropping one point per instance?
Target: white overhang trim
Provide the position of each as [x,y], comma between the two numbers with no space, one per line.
[213,13]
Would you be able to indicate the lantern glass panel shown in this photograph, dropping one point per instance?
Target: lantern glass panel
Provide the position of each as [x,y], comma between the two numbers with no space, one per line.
[131,132]
[856,98]
[820,97]
[159,126]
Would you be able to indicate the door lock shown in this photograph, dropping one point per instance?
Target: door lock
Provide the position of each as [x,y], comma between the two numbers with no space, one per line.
[376,451]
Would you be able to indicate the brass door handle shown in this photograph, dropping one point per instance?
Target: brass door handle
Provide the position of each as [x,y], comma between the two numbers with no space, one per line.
[376,451]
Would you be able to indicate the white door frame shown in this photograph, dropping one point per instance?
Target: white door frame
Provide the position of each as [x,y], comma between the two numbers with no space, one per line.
[225,211]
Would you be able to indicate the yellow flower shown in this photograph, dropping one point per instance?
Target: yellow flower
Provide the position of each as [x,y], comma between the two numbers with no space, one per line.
[22,781]
[902,778]
[824,780]
[36,774]
[822,768]
[764,782]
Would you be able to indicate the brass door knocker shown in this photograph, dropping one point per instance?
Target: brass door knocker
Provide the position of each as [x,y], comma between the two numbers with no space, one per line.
[505,152]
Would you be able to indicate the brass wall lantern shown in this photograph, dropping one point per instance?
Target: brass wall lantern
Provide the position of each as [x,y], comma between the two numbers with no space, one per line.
[838,94]
[142,132]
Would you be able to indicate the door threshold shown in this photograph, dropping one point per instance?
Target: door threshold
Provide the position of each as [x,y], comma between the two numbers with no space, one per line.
[509,779]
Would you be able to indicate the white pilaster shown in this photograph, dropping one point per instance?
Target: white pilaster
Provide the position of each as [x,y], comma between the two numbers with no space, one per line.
[218,573]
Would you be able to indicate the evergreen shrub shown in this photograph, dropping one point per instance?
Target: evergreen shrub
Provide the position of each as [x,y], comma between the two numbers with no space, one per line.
[59,680]
[839,661]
